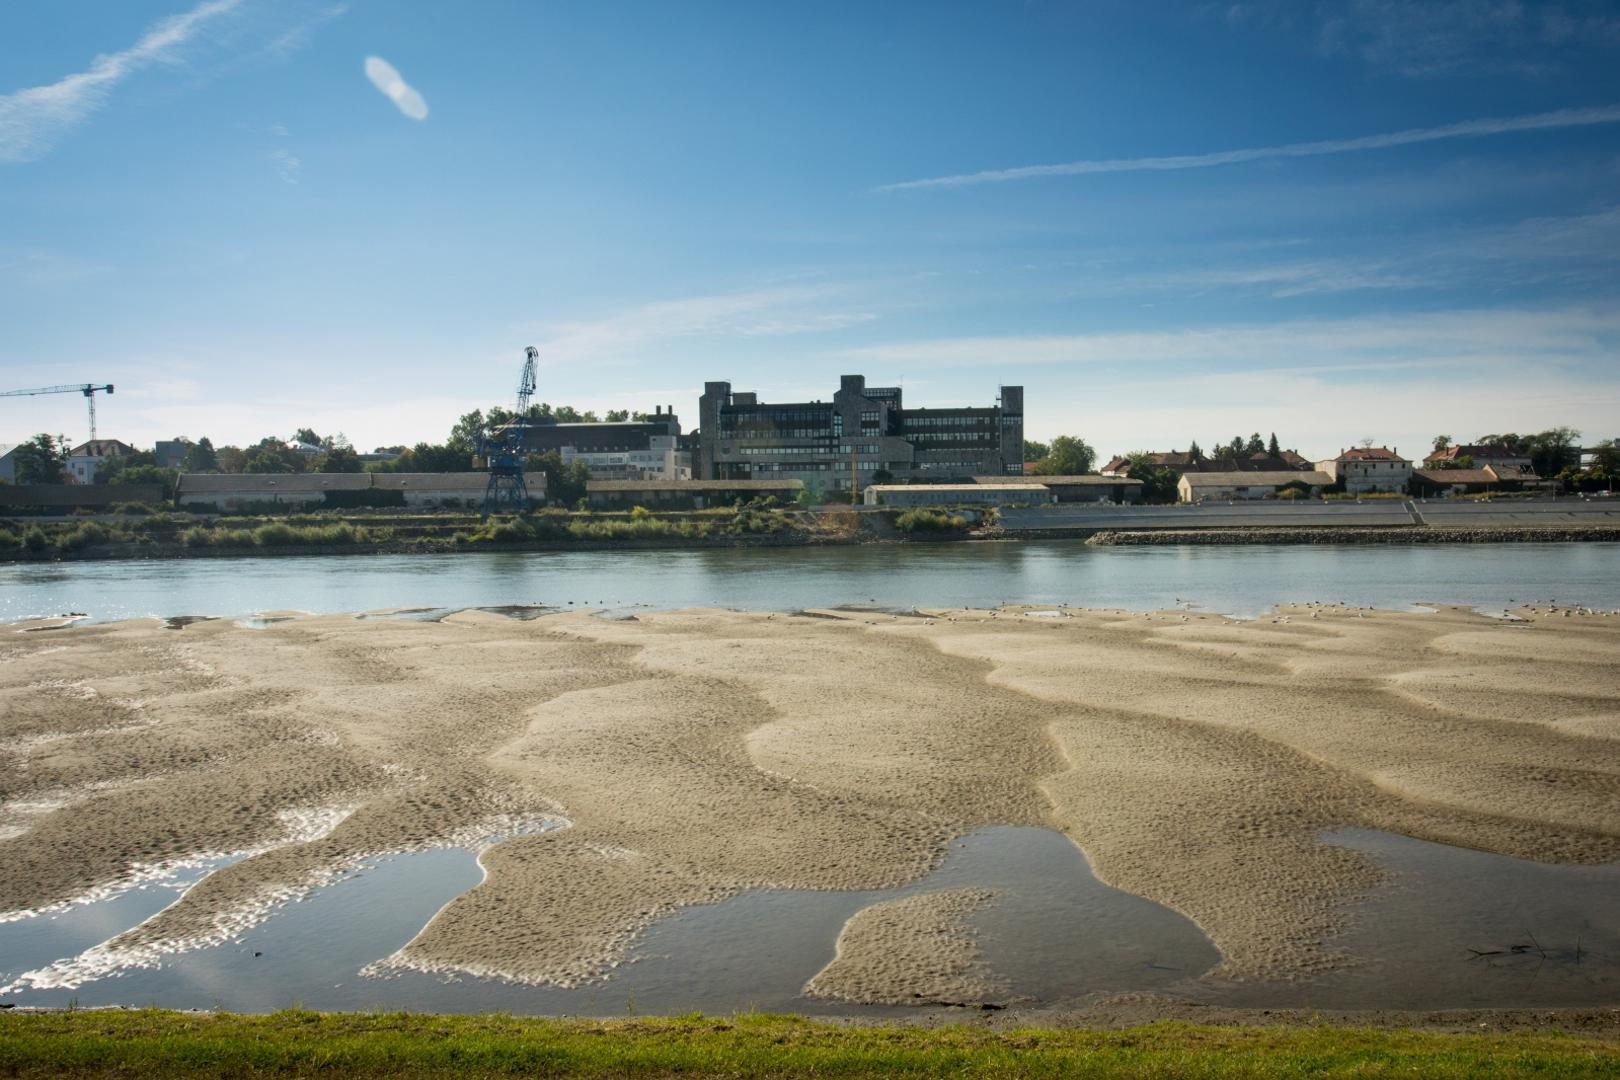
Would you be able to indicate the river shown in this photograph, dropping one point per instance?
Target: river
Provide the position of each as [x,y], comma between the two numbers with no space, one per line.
[1241,580]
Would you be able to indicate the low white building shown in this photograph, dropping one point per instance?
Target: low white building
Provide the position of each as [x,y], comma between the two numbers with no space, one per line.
[1199,487]
[1003,494]
[236,491]
[1366,469]
[463,490]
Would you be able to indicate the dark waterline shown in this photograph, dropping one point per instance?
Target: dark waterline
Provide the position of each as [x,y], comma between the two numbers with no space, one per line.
[1239,580]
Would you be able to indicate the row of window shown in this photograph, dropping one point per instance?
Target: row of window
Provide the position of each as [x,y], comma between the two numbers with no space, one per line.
[918,423]
[938,438]
[811,451]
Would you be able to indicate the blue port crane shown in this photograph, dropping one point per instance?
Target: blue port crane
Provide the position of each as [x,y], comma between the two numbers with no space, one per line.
[89,390]
[504,448]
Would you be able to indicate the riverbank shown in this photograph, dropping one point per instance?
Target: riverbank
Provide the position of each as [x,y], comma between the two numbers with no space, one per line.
[1399,534]
[297,1043]
[687,757]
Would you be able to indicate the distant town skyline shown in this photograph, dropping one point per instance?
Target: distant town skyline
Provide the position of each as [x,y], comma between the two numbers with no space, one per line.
[1169,222]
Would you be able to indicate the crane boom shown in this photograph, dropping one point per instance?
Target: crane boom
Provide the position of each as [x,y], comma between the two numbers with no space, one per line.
[89,390]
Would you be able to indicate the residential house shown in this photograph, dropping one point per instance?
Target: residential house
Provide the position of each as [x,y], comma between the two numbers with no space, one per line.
[1368,469]
[84,460]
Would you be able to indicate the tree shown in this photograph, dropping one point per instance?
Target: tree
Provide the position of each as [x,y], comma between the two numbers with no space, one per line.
[231,459]
[618,416]
[1195,451]
[1366,444]
[201,457]
[1442,442]
[1273,448]
[112,470]
[307,435]
[565,484]
[467,433]
[1255,445]
[1158,484]
[1035,450]
[142,474]
[41,460]
[1067,456]
[266,461]
[339,459]
[1554,450]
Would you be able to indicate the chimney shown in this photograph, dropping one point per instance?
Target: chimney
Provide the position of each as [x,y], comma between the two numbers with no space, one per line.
[658,410]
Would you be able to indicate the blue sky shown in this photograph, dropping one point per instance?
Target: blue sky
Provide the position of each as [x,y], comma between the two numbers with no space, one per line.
[216,207]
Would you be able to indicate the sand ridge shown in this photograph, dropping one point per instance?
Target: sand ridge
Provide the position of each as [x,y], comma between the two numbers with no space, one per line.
[917,950]
[1196,759]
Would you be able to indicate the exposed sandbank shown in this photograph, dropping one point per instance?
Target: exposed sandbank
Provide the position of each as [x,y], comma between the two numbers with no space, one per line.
[1195,758]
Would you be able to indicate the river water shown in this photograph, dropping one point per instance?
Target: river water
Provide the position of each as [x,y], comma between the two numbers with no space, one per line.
[1237,580]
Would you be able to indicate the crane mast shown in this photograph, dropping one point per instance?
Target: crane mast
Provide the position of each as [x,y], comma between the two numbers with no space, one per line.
[506,487]
[89,390]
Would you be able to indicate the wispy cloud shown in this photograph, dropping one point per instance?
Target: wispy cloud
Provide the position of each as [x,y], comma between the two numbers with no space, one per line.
[32,119]
[1561,118]
[297,37]
[1530,337]
[385,77]
[776,312]
[286,163]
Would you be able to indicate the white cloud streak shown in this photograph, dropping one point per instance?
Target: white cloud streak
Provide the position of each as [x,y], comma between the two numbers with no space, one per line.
[1530,338]
[1548,121]
[32,119]
[386,78]
[760,313]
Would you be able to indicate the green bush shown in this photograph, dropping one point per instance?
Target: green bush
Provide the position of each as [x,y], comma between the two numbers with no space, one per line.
[34,539]
[922,519]
[82,536]
[275,534]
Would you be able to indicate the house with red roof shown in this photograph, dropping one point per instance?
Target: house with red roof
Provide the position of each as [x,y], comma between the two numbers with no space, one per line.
[1364,469]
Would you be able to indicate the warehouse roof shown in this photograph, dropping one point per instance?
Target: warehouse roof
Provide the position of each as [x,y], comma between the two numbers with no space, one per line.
[1256,479]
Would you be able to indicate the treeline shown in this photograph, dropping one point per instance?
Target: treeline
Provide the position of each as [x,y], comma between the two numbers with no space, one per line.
[43,459]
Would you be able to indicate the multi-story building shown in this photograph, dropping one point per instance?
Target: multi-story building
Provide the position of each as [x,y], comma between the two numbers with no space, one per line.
[84,460]
[1373,468]
[864,431]
[631,450]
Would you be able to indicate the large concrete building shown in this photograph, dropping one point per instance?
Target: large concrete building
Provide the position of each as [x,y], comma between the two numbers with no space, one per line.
[863,429]
[630,450]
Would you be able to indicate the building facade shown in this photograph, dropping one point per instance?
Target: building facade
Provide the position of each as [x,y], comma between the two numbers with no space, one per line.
[631,450]
[862,432]
[1200,486]
[84,460]
[1369,469]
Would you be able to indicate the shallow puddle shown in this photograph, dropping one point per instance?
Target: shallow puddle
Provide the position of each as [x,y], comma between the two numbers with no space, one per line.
[1455,928]
[1054,931]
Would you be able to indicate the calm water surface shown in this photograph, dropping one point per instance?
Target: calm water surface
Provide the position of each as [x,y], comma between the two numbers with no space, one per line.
[1238,580]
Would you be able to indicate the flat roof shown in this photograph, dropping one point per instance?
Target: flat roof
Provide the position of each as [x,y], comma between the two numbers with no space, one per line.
[694,486]
[1013,486]
[280,482]
[1062,481]
[1255,479]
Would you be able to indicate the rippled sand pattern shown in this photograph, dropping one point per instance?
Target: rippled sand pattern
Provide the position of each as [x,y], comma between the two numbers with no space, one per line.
[696,754]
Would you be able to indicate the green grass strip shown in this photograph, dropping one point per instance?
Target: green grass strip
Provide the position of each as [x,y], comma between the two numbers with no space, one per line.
[339,1045]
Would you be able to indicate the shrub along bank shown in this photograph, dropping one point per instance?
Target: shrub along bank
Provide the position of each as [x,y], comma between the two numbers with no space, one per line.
[186,534]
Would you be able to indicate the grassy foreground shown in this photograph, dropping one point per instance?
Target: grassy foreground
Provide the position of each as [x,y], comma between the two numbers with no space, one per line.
[298,1043]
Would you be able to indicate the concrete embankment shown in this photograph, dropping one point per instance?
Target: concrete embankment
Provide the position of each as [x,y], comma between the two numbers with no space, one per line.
[1400,534]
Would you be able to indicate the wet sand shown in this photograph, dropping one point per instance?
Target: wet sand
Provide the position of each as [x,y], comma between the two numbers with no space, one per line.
[1196,760]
